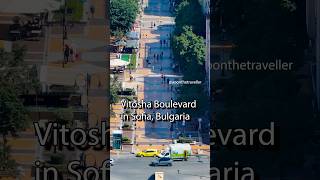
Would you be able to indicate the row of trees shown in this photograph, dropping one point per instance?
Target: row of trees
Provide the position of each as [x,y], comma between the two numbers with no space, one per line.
[15,79]
[265,31]
[188,48]
[123,14]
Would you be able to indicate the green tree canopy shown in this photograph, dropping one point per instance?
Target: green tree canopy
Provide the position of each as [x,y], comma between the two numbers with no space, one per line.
[17,75]
[189,49]
[64,116]
[189,13]
[13,115]
[123,14]
[115,87]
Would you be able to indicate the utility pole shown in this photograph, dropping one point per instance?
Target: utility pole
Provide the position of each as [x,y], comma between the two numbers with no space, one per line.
[199,130]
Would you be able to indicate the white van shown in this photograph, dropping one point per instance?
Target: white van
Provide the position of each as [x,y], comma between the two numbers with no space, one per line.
[177,151]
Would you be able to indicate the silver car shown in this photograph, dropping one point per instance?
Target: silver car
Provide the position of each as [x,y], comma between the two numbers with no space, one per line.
[165,161]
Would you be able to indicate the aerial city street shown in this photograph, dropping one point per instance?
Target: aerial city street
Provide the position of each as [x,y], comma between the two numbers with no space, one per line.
[149,135]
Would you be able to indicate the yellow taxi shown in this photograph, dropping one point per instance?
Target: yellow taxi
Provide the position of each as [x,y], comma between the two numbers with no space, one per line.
[148,153]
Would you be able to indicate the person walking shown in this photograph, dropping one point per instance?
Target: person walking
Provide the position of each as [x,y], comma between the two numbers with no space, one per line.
[99,84]
[66,53]
[88,81]
[92,10]
[71,54]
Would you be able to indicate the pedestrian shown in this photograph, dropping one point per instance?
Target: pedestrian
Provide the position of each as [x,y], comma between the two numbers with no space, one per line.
[99,84]
[164,41]
[92,10]
[168,80]
[161,53]
[71,54]
[154,24]
[66,53]
[164,78]
[160,42]
[77,56]
[154,56]
[160,68]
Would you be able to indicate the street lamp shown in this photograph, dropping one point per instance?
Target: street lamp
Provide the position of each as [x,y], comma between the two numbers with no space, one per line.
[199,130]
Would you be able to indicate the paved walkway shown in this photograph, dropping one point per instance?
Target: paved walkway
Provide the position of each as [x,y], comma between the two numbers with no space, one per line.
[154,87]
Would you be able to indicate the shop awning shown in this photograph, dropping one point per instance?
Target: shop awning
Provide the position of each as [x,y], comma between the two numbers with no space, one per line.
[118,62]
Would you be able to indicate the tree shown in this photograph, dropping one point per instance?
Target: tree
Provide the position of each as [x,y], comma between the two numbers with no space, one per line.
[13,115]
[115,88]
[15,74]
[189,49]
[189,13]
[123,14]
[64,116]
[6,164]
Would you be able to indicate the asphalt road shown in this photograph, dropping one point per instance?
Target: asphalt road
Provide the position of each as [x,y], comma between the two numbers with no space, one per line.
[128,167]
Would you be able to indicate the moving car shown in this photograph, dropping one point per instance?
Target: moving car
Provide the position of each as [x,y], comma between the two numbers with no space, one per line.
[110,161]
[148,153]
[162,162]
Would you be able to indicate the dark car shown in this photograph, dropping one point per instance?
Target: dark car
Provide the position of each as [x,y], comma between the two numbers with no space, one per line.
[165,161]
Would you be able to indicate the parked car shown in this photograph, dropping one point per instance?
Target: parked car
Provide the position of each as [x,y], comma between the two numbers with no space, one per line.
[148,153]
[165,161]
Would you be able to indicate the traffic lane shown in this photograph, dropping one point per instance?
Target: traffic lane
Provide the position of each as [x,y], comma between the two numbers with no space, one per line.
[138,168]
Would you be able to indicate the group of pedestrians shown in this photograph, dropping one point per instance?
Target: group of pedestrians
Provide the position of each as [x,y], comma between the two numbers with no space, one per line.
[166,80]
[164,43]
[157,56]
[70,54]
